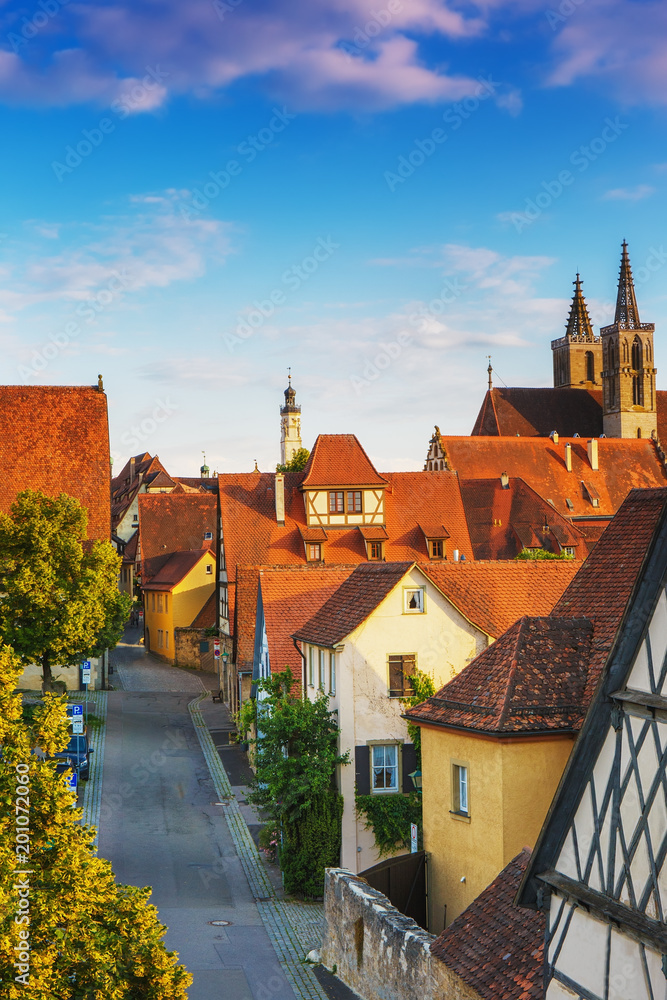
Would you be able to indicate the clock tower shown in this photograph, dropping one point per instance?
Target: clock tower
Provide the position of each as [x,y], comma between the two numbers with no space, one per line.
[290,424]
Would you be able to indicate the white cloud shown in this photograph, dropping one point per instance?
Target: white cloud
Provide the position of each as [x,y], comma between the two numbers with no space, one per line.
[629,194]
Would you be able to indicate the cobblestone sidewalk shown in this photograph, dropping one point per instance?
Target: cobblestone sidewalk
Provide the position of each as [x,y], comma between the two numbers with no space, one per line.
[294,928]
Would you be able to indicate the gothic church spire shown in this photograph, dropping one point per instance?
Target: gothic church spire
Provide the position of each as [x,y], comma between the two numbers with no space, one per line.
[579,322]
[627,313]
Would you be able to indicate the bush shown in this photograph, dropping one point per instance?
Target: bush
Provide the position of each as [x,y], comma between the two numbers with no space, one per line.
[311,844]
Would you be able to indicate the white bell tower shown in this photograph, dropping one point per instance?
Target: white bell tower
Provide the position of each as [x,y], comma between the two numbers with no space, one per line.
[290,424]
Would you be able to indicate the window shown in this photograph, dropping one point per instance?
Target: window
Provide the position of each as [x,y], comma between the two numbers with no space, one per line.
[332,673]
[336,503]
[401,667]
[311,666]
[160,637]
[590,367]
[208,535]
[354,502]
[135,519]
[166,640]
[159,602]
[209,569]
[384,767]
[153,601]
[569,550]
[413,601]
[323,669]
[224,602]
[166,603]
[437,548]
[460,789]
[314,550]
[375,551]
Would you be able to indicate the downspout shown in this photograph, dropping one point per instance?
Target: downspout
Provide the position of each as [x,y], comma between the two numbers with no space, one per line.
[304,677]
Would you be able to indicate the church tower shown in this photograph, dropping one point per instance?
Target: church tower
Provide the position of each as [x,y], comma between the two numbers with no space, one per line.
[578,355]
[290,425]
[629,403]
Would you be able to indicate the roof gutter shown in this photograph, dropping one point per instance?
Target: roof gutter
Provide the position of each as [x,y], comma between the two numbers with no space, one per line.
[304,679]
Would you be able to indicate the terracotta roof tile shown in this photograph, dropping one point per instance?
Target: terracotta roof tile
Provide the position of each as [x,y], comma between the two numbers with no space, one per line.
[56,439]
[531,680]
[352,603]
[492,595]
[339,460]
[624,464]
[538,412]
[206,617]
[174,569]
[497,948]
[253,537]
[502,521]
[172,523]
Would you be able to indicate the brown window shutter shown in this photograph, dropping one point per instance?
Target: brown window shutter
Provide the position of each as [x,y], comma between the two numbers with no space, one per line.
[395,676]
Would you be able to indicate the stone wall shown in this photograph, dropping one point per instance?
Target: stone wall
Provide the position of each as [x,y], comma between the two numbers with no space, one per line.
[188,652]
[379,952]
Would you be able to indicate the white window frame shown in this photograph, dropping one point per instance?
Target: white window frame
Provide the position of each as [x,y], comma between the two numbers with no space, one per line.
[311,666]
[209,569]
[322,670]
[332,673]
[396,767]
[460,777]
[407,595]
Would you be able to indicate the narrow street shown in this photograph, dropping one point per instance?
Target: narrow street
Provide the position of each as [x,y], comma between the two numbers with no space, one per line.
[161,825]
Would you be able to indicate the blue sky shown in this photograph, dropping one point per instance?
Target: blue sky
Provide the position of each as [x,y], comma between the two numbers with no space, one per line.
[198,195]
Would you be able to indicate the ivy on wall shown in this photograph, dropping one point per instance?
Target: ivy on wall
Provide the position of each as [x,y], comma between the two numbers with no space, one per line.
[423,687]
[389,817]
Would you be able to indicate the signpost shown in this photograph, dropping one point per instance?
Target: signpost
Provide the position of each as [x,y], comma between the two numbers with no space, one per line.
[216,657]
[85,679]
[414,841]
[75,713]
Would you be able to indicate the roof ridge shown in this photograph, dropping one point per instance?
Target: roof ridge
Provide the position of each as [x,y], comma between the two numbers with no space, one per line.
[511,677]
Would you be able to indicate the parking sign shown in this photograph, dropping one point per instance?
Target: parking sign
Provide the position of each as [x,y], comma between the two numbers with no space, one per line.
[85,672]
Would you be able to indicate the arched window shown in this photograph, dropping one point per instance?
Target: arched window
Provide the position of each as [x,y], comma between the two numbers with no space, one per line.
[638,378]
[639,432]
[590,367]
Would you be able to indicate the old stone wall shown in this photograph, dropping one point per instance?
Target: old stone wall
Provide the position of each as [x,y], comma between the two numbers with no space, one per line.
[188,651]
[379,952]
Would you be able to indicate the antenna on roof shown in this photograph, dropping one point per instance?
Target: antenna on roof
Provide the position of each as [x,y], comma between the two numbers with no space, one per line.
[490,372]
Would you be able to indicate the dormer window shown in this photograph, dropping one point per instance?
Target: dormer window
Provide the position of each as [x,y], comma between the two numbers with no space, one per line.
[437,549]
[314,552]
[375,551]
[435,536]
[208,536]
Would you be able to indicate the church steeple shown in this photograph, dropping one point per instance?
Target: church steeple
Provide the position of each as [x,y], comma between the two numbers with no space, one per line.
[627,312]
[579,322]
[629,403]
[290,423]
[578,355]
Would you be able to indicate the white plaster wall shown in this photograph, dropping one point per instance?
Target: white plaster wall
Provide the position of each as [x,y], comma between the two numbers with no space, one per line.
[127,527]
[444,642]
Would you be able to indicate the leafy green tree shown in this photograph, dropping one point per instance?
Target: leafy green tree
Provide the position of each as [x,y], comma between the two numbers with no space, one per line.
[297,462]
[88,935]
[296,756]
[60,601]
[542,554]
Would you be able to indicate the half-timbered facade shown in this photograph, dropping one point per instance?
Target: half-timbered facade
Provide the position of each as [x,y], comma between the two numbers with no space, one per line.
[599,868]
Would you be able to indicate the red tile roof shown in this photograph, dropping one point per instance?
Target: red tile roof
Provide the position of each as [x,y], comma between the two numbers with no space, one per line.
[290,598]
[171,523]
[175,569]
[206,617]
[56,439]
[624,464]
[531,680]
[136,472]
[503,521]
[600,593]
[492,595]
[495,947]
[352,603]
[537,412]
[339,460]
[253,537]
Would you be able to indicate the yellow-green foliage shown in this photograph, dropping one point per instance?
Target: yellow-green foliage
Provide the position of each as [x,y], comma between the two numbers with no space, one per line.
[89,937]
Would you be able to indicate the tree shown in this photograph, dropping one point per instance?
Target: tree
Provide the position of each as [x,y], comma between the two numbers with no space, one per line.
[296,756]
[60,601]
[297,462]
[88,935]
[542,554]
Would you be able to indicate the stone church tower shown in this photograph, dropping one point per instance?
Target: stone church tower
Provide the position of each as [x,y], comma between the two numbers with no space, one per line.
[577,356]
[628,378]
[290,425]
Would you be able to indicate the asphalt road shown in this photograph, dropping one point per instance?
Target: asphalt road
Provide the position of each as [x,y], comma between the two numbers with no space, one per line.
[160,826]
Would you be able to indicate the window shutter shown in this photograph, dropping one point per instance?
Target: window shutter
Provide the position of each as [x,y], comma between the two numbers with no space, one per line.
[362,770]
[395,676]
[409,666]
[409,757]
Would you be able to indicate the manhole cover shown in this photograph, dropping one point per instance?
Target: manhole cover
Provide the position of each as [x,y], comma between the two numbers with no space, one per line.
[219,923]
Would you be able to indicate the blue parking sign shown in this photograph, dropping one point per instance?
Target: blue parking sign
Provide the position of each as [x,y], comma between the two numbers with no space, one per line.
[71,781]
[75,710]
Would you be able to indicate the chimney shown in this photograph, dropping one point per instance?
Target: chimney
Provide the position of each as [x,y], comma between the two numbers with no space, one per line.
[593,453]
[568,457]
[554,437]
[131,469]
[504,481]
[280,498]
[455,555]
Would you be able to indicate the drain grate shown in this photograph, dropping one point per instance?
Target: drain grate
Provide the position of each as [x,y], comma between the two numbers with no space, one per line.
[219,923]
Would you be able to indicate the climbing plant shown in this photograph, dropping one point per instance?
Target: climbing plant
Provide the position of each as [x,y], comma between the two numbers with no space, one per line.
[422,688]
[389,817]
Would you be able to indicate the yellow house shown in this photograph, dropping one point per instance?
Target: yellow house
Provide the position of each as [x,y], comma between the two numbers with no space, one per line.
[495,741]
[174,597]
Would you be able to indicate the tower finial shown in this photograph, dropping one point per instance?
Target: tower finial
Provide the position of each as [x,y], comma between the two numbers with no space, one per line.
[490,372]
[204,470]
[627,313]
[579,322]
[289,374]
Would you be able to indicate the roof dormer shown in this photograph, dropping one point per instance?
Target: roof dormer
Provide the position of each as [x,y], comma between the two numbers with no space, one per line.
[341,487]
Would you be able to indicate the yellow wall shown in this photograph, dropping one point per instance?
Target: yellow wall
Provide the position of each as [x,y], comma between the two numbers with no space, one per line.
[185,602]
[510,788]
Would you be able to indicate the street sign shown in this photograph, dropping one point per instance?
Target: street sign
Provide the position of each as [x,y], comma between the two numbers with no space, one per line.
[216,649]
[77,725]
[74,710]
[71,781]
[85,672]
[414,842]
